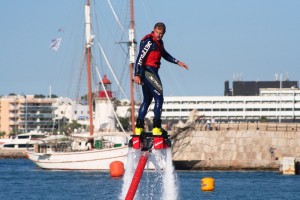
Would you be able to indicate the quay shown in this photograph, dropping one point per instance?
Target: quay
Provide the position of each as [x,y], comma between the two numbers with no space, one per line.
[12,153]
[238,146]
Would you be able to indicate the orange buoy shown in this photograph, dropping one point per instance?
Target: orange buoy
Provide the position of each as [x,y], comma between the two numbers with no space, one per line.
[116,169]
[207,184]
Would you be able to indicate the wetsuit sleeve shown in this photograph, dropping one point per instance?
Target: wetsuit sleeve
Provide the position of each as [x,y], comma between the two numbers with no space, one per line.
[145,48]
[168,57]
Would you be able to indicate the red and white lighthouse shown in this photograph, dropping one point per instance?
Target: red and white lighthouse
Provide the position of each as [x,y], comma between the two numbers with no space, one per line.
[104,109]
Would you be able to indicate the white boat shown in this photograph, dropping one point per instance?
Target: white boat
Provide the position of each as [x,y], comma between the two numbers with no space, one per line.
[85,151]
[23,141]
[80,154]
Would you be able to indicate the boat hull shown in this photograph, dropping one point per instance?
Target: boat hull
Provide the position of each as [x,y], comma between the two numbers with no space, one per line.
[82,160]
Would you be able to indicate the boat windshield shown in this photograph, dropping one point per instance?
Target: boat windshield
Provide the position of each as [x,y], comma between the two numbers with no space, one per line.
[23,137]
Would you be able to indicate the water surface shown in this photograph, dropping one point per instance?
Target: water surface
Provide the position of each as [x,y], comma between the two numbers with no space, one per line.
[20,179]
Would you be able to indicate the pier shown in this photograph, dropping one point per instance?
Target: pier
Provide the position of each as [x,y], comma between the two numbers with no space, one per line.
[12,153]
[240,146]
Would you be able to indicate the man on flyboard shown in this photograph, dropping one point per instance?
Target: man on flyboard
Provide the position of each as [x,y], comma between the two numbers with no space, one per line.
[146,74]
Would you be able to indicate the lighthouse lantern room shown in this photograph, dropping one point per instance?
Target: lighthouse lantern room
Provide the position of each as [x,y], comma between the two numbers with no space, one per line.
[106,86]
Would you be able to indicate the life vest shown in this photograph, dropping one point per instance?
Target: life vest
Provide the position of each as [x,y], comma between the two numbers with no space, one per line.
[154,56]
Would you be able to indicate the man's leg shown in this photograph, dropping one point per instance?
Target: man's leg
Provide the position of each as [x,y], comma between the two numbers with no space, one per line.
[156,89]
[139,128]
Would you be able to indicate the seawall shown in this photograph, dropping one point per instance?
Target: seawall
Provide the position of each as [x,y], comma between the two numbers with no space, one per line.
[234,149]
[12,153]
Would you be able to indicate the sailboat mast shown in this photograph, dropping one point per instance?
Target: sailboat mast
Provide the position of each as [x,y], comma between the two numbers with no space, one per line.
[88,62]
[132,43]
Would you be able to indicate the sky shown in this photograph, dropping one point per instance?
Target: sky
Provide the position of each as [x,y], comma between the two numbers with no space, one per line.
[249,40]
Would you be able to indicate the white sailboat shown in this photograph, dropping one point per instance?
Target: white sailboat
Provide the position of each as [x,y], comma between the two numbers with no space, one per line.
[97,150]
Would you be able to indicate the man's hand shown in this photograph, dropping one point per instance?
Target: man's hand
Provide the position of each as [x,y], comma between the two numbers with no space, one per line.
[137,80]
[183,65]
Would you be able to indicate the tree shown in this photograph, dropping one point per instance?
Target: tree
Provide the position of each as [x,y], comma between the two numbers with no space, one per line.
[125,122]
[117,103]
[39,96]
[53,96]
[72,126]
[2,134]
[61,124]
[263,119]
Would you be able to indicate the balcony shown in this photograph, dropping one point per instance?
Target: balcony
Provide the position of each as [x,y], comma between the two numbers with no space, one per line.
[12,122]
[13,115]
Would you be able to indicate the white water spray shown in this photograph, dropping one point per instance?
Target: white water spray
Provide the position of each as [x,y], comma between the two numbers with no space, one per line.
[170,179]
[132,160]
[160,183]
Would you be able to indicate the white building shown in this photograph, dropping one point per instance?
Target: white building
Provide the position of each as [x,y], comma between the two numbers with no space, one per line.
[73,110]
[273,104]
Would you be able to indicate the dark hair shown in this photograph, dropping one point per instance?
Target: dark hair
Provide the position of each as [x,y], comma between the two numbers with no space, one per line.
[160,25]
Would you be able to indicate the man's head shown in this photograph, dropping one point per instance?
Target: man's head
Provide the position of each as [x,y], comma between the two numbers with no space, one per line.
[159,30]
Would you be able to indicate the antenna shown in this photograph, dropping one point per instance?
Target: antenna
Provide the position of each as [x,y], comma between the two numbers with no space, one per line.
[276,77]
[50,91]
[286,76]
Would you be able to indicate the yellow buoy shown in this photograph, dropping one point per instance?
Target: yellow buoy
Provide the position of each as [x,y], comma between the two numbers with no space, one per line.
[207,184]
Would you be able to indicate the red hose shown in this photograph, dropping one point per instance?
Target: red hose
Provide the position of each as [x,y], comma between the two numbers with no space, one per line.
[137,177]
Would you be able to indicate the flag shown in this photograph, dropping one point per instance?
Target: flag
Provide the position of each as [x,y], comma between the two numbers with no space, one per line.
[55,43]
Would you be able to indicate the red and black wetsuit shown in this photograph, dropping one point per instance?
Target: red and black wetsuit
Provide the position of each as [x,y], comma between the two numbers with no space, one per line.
[146,66]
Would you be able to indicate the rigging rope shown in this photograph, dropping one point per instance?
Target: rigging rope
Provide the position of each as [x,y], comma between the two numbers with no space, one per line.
[116,17]
[112,71]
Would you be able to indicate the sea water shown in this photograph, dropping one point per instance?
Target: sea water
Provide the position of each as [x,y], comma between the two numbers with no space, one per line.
[20,179]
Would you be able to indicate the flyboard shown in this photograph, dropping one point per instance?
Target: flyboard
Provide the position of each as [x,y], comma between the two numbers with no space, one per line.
[145,142]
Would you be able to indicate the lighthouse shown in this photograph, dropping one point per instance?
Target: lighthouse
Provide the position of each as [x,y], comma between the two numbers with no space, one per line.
[104,109]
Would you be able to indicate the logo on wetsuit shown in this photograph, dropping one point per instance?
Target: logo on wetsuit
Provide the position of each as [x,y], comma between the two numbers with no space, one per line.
[144,52]
[155,82]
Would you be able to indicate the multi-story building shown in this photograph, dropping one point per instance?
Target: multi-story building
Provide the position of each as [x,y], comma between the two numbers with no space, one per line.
[20,114]
[271,104]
